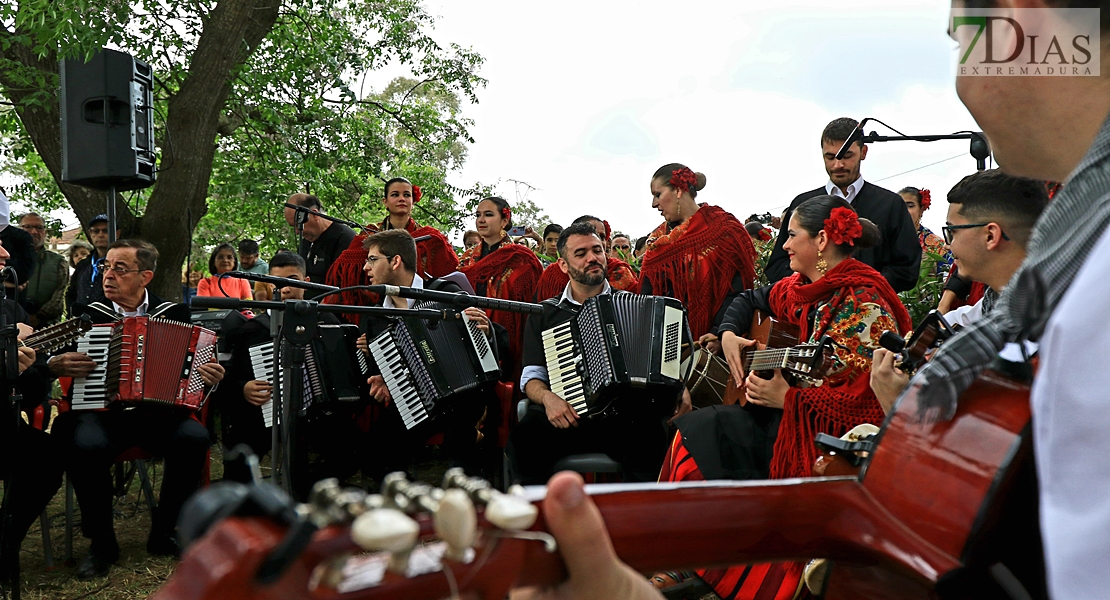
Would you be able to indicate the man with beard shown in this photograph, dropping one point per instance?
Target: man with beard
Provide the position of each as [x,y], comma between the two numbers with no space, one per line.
[552,430]
[898,255]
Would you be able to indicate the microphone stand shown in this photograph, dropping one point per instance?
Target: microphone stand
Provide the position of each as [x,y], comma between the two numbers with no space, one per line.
[280,281]
[980,148]
[295,323]
[458,300]
[9,363]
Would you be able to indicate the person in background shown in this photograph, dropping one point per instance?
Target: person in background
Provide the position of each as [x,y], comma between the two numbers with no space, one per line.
[86,283]
[46,291]
[547,252]
[917,202]
[898,255]
[223,261]
[471,238]
[248,258]
[620,275]
[322,240]
[621,247]
[641,246]
[78,251]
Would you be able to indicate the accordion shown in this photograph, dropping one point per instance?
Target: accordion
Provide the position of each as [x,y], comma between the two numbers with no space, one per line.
[424,365]
[615,343]
[334,368]
[142,359]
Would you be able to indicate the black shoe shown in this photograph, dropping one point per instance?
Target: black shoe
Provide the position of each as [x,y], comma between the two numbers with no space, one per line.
[163,545]
[93,566]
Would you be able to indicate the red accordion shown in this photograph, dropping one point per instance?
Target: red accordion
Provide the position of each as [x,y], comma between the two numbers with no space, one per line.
[142,359]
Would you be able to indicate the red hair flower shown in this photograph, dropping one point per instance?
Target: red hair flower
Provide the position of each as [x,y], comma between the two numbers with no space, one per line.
[683,179]
[507,214]
[926,199]
[416,194]
[608,230]
[764,235]
[843,226]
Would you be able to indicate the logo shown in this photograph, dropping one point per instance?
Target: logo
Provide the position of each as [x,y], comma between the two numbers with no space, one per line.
[1027,42]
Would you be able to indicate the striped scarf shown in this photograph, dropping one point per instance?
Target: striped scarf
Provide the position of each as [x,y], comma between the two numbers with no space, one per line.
[1066,232]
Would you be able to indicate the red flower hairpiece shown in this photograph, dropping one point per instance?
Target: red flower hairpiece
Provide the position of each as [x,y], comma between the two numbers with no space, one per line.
[506,214]
[683,179]
[926,199]
[843,226]
[764,235]
[608,230]
[416,194]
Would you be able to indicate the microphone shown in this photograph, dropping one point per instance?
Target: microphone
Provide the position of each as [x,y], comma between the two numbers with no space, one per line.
[855,136]
[280,281]
[9,274]
[458,299]
[303,211]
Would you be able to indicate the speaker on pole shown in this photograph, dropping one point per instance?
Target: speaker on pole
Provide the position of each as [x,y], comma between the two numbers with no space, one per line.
[107,122]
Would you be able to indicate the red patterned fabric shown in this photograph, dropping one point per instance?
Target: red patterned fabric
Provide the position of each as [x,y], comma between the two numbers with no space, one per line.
[854,304]
[554,280]
[435,257]
[697,261]
[510,273]
[764,581]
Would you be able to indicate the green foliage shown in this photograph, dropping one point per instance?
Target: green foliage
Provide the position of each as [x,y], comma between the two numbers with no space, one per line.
[763,252]
[300,116]
[925,296]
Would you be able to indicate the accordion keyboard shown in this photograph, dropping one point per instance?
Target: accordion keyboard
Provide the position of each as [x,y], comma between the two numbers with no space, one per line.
[262,361]
[90,392]
[398,379]
[563,359]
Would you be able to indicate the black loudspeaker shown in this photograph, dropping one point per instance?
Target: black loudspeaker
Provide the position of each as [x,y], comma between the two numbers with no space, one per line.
[107,109]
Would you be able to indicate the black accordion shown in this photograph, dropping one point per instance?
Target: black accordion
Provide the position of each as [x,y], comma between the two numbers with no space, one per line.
[424,364]
[616,343]
[335,370]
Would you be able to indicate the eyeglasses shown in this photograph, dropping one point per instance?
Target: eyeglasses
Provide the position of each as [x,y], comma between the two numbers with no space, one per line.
[371,259]
[948,230]
[624,247]
[99,267]
[98,231]
[33,227]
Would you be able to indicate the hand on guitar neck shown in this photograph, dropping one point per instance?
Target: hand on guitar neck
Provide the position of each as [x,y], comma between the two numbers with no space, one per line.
[594,570]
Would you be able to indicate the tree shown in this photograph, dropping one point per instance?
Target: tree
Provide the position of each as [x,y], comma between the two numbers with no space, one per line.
[260,99]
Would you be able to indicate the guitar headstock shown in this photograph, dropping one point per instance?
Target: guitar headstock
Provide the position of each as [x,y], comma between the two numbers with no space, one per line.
[51,339]
[413,535]
[929,334]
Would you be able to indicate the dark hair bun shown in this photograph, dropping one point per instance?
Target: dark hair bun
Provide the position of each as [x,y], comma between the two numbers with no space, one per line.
[700,183]
[871,236]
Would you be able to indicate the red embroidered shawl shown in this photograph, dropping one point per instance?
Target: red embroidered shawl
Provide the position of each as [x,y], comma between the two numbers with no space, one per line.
[697,261]
[619,273]
[845,399]
[510,273]
[435,257]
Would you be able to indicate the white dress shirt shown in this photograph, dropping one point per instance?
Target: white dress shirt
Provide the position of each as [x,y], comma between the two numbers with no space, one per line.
[139,311]
[417,283]
[853,190]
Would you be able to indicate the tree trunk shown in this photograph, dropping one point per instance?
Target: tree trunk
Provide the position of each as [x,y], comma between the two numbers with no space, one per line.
[232,30]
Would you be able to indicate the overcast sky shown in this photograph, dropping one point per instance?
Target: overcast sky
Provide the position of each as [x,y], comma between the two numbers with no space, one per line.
[587,99]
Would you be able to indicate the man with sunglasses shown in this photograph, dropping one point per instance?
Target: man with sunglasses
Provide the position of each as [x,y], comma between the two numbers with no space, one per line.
[92,439]
[85,283]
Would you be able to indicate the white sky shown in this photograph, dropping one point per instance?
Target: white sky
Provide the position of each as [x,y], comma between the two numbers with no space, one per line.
[587,99]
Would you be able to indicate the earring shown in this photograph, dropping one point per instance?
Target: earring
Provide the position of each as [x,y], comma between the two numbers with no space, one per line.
[821,266]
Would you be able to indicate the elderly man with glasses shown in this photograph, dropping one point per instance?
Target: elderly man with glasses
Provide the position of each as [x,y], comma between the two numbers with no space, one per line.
[93,439]
[46,289]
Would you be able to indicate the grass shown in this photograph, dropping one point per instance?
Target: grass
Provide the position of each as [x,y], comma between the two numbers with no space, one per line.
[137,574]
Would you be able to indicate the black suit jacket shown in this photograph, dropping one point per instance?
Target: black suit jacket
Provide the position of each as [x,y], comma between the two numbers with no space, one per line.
[898,255]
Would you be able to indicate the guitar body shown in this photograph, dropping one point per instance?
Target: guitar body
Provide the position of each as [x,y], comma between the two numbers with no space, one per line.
[936,508]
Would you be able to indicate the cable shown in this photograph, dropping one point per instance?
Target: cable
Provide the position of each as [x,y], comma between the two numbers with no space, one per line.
[962,154]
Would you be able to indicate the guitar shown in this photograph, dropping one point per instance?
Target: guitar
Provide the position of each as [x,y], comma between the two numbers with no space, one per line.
[928,335]
[937,510]
[58,336]
[777,347]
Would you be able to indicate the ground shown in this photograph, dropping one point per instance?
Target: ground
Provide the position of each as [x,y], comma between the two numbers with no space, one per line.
[137,574]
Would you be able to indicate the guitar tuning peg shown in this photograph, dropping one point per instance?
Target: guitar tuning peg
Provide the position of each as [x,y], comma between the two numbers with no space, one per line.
[389,530]
[511,512]
[456,522]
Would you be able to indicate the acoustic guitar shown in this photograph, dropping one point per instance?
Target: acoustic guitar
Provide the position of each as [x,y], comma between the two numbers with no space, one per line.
[940,509]
[55,337]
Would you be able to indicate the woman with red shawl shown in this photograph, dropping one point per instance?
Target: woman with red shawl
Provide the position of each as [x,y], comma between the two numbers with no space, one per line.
[701,254]
[619,273]
[498,268]
[829,294]
[435,257]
